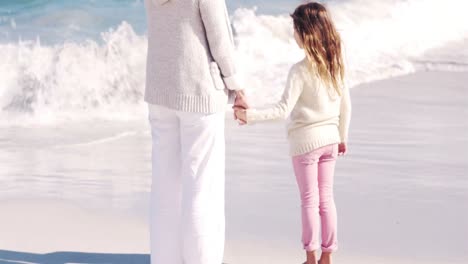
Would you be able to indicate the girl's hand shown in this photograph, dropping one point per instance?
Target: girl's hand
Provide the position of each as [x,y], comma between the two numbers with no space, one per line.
[342,149]
[241,115]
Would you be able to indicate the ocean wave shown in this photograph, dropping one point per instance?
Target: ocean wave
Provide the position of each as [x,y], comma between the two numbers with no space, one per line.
[74,80]
[105,78]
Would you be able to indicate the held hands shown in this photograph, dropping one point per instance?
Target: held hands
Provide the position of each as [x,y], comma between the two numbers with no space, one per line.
[241,116]
[240,106]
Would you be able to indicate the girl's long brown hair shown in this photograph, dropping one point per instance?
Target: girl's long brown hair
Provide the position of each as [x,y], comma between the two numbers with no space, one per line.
[321,42]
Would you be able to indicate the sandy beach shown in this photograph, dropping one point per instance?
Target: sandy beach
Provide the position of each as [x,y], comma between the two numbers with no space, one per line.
[78,192]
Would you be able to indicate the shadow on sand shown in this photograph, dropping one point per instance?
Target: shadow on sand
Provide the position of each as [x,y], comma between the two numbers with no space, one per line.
[14,257]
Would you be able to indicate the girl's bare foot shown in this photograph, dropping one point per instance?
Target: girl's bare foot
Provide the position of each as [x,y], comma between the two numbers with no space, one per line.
[311,258]
[325,258]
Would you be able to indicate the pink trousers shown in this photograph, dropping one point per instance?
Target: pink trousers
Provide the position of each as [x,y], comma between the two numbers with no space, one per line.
[314,173]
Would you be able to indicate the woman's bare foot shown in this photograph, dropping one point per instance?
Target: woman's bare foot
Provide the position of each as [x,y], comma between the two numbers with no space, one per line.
[325,258]
[311,258]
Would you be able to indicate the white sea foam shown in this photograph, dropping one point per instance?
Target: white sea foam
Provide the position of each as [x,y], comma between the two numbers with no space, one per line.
[74,80]
[100,140]
[105,79]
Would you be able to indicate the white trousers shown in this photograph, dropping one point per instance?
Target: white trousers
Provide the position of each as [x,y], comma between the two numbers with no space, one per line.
[187,192]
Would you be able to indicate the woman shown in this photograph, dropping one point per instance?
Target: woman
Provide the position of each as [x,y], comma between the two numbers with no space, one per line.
[190,73]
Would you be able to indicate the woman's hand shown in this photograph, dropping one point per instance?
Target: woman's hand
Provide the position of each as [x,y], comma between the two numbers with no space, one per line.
[342,149]
[241,115]
[241,100]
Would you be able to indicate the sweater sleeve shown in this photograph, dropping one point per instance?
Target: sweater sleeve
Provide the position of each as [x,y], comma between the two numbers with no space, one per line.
[218,30]
[345,115]
[283,108]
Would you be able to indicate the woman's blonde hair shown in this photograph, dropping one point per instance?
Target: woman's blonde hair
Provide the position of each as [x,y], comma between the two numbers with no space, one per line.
[321,42]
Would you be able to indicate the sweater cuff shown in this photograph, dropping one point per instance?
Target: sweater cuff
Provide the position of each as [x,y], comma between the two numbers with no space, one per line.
[232,82]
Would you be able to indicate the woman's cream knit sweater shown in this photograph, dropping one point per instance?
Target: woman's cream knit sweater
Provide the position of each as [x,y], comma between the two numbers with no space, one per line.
[190,64]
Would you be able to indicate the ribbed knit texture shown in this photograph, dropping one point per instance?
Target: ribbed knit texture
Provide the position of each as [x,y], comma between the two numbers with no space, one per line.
[318,115]
[190,64]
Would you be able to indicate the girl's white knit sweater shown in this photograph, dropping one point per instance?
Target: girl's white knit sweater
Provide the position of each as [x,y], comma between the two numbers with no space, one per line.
[190,64]
[318,115]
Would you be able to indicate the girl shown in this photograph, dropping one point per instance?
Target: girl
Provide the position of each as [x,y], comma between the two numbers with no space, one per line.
[319,108]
